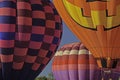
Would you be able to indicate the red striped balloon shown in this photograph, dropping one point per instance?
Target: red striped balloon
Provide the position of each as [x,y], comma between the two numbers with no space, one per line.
[30,32]
[74,62]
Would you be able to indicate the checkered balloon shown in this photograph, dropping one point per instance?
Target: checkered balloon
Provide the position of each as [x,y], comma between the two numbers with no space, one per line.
[30,32]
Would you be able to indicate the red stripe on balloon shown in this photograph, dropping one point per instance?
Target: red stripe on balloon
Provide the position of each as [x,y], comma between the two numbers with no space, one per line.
[7,27]
[6,43]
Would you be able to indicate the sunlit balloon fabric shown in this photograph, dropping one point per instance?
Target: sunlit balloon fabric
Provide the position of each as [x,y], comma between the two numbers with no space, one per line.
[30,32]
[96,23]
[73,62]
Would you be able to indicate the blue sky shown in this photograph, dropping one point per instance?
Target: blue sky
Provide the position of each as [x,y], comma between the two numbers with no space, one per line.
[67,37]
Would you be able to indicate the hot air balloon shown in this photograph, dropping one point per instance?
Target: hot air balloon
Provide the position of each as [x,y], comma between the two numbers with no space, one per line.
[74,62]
[97,24]
[30,32]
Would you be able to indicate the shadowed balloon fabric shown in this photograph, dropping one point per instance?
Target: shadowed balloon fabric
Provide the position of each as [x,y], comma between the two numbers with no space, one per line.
[30,32]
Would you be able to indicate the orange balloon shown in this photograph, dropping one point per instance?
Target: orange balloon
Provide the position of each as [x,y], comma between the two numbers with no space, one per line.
[97,24]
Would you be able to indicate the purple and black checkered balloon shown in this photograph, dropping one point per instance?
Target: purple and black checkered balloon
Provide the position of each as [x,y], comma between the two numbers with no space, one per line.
[30,32]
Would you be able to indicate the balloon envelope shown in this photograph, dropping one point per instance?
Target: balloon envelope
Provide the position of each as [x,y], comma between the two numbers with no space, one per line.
[97,24]
[73,62]
[30,32]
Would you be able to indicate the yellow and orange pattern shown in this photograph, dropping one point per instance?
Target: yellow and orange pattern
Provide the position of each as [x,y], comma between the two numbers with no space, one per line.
[95,22]
[93,14]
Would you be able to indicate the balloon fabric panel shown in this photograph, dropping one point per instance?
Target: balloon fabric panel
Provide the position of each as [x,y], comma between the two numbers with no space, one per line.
[30,32]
